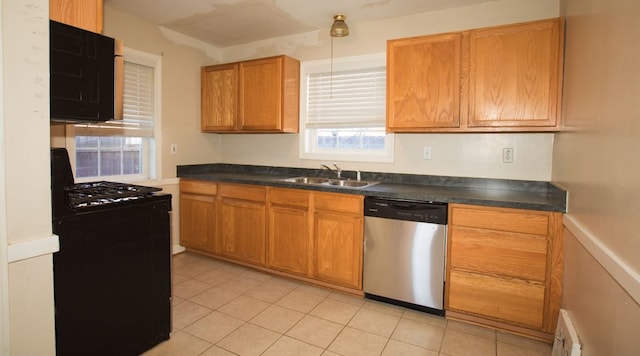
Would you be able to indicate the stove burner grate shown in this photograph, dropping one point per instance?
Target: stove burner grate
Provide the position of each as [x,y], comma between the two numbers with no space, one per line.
[102,192]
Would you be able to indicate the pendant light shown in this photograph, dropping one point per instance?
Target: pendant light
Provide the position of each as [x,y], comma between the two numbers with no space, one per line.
[338,29]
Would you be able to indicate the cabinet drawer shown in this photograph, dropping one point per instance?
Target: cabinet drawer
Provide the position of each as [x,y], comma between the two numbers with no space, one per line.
[507,300]
[293,197]
[501,253]
[243,191]
[346,203]
[502,219]
[198,187]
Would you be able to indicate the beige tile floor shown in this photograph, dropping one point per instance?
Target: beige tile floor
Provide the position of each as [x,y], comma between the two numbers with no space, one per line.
[223,309]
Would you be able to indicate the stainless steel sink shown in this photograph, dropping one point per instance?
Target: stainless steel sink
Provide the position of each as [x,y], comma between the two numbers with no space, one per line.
[307,180]
[351,183]
[344,183]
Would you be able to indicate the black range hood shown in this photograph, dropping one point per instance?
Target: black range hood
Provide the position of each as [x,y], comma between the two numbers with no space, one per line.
[81,75]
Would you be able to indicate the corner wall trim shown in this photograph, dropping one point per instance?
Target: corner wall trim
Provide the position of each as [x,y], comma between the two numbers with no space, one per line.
[32,248]
[619,270]
[176,249]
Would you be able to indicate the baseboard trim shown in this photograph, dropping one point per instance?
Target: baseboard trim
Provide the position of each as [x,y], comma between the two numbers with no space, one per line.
[32,248]
[176,249]
[617,268]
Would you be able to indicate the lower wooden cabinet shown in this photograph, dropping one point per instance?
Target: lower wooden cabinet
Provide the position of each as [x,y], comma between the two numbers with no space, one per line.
[338,237]
[243,222]
[510,300]
[505,268]
[289,231]
[314,236]
[198,211]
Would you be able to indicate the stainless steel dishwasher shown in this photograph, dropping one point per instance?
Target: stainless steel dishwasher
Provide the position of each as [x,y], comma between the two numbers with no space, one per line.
[404,252]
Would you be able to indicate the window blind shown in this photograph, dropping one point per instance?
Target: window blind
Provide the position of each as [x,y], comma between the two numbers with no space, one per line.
[138,106]
[346,99]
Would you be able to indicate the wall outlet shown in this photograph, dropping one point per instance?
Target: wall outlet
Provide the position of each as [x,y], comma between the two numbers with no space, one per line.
[426,153]
[507,155]
[174,148]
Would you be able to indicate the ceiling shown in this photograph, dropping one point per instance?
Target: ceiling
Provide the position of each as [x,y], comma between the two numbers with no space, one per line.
[224,23]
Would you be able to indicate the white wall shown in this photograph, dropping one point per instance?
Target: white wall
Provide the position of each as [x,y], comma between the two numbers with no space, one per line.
[475,155]
[463,155]
[597,161]
[26,176]
[4,262]
[180,112]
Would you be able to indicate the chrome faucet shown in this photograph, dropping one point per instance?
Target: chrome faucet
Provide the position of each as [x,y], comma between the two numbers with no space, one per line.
[337,171]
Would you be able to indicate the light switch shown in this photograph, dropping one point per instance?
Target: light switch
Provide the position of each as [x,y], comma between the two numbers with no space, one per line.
[426,154]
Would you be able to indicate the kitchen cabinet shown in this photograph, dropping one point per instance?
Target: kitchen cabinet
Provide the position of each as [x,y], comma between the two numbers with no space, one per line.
[289,236]
[309,235]
[515,75]
[338,237]
[219,97]
[85,14]
[504,268]
[242,220]
[198,212]
[260,95]
[503,78]
[423,82]
[317,235]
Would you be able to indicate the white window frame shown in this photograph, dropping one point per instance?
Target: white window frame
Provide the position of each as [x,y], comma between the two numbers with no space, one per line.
[307,138]
[152,160]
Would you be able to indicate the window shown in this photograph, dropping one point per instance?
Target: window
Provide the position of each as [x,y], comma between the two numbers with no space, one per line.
[343,110]
[123,149]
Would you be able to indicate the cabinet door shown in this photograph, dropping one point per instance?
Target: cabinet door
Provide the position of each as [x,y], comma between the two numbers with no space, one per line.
[289,230]
[243,230]
[514,78]
[511,300]
[198,222]
[423,82]
[85,14]
[338,248]
[261,94]
[219,91]
[499,253]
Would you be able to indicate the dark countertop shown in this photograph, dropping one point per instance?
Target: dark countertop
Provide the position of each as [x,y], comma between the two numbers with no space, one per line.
[535,195]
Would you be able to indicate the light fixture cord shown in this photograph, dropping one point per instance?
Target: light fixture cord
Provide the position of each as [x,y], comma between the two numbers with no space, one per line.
[331,72]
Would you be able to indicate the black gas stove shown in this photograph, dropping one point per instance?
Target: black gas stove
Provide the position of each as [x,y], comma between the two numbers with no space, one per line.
[102,192]
[70,198]
[112,274]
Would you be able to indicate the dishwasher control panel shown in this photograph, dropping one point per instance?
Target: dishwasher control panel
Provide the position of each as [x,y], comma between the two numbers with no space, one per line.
[431,212]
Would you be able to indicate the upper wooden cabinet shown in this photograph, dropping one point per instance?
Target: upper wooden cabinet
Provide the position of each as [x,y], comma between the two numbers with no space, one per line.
[423,82]
[260,95]
[85,14]
[505,78]
[515,75]
[219,105]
